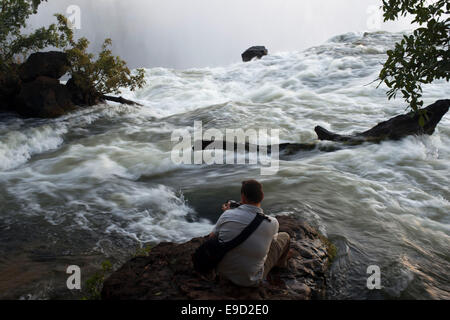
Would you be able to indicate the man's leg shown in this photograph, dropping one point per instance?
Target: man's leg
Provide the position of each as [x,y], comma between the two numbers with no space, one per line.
[277,253]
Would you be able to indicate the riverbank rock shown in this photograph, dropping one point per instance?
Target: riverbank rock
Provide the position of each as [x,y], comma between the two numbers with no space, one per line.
[167,273]
[254,52]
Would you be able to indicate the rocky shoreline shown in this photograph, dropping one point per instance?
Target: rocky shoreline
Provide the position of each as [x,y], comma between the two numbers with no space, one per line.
[167,273]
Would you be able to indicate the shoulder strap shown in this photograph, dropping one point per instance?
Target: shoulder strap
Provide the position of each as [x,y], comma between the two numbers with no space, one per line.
[246,233]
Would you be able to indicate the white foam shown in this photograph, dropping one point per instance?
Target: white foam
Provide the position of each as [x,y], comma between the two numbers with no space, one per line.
[17,147]
[164,218]
[329,85]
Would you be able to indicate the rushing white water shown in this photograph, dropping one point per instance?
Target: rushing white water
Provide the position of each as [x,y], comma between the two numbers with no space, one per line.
[95,180]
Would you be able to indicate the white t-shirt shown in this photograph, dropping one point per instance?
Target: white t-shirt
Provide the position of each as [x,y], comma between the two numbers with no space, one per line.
[244,265]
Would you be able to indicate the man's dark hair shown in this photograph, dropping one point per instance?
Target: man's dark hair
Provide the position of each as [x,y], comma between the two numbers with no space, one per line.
[253,191]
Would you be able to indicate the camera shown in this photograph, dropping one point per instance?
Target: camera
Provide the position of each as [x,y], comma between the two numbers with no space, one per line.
[233,204]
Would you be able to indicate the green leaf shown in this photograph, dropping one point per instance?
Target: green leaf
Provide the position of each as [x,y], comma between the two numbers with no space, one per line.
[421,57]
[422,121]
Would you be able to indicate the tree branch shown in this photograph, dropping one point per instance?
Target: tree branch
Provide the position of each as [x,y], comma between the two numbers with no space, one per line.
[121,100]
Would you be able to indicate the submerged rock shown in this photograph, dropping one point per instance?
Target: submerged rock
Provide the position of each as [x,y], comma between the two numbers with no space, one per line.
[254,52]
[395,128]
[167,273]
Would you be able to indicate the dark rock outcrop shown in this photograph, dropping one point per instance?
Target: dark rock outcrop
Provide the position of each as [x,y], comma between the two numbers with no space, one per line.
[83,97]
[47,64]
[43,97]
[395,128]
[9,88]
[33,89]
[167,273]
[254,52]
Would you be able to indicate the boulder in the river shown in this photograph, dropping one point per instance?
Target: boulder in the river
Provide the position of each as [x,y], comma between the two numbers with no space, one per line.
[51,64]
[32,89]
[83,96]
[254,52]
[43,97]
[10,86]
[395,128]
[168,274]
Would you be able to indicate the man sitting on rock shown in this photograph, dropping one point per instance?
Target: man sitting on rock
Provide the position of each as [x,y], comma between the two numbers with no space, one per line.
[248,264]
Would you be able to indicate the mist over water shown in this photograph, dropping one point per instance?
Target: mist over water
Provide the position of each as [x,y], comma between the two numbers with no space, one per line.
[198,33]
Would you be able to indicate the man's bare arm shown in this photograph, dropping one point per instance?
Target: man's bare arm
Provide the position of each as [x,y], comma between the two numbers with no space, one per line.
[225,207]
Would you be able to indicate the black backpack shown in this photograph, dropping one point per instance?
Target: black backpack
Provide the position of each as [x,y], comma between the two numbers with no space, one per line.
[212,251]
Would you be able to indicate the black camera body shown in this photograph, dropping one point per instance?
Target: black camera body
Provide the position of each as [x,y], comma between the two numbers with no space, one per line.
[234,204]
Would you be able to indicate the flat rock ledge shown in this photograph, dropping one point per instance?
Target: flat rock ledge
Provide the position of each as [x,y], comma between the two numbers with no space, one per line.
[167,273]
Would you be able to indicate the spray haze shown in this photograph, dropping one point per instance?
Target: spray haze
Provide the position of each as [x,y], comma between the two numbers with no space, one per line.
[181,34]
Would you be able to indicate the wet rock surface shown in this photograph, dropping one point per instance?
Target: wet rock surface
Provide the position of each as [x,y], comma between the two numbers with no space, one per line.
[33,89]
[167,273]
[395,128]
[254,52]
[51,64]
[44,97]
